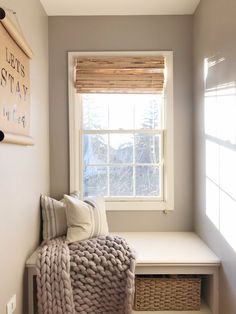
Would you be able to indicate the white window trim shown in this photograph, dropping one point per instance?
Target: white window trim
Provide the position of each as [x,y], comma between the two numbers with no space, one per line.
[74,126]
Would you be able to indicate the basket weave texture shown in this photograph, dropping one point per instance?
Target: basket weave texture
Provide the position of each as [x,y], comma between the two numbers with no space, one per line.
[163,294]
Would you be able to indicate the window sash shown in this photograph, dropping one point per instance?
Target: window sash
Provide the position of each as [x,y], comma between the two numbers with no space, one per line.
[160,165]
[133,197]
[124,131]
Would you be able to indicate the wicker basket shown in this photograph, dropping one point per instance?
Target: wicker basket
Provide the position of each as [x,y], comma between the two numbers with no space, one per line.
[164,293]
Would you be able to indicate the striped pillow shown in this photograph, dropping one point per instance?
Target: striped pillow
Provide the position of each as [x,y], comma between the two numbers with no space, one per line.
[54,216]
[85,219]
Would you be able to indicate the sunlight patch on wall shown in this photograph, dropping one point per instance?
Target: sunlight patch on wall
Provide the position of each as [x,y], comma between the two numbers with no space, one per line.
[220,150]
[212,183]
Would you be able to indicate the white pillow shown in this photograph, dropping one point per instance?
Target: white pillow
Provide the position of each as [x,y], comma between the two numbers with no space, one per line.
[85,219]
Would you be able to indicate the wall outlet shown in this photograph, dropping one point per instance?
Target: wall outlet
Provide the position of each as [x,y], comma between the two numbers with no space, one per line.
[11,305]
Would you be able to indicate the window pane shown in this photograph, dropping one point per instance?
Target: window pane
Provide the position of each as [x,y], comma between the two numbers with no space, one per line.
[147,148]
[95,181]
[147,181]
[121,181]
[95,112]
[121,148]
[121,113]
[147,112]
[95,149]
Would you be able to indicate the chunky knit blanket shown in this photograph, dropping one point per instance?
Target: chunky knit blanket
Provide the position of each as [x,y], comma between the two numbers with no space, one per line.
[93,276]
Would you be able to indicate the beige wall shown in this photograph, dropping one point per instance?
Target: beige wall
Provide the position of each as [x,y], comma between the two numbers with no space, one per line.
[24,171]
[126,33]
[215,205]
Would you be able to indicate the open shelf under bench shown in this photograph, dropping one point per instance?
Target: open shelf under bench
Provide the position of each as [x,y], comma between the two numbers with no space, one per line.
[165,253]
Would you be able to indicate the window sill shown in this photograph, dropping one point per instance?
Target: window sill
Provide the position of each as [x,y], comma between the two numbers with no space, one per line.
[138,206]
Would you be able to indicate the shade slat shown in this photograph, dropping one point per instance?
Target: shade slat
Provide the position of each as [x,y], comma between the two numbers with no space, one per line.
[119,91]
[121,62]
[113,71]
[125,84]
[134,77]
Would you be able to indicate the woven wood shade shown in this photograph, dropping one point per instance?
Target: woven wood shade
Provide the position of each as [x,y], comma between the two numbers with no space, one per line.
[120,74]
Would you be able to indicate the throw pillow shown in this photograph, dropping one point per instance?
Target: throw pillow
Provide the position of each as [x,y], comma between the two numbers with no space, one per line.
[54,216]
[85,219]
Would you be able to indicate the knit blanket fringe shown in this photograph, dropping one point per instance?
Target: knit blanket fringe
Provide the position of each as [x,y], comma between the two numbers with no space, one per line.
[94,276]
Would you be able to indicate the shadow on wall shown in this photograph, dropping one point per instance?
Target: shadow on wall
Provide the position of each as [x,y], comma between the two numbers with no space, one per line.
[227,284]
[220,150]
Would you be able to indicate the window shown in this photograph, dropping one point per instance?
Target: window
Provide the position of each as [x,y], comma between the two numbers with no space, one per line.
[121,146]
[121,140]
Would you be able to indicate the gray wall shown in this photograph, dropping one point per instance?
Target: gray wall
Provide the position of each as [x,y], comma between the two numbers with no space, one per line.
[24,171]
[127,34]
[214,37]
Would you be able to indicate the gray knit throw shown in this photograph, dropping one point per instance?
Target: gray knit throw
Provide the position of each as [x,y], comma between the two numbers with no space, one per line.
[94,276]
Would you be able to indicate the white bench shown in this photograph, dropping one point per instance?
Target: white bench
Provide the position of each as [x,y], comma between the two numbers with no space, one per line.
[164,253]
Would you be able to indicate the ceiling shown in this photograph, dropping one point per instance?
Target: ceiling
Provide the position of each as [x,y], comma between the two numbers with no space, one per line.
[119,7]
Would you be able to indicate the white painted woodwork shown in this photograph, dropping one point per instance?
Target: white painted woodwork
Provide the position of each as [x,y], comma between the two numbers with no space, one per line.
[164,253]
[170,248]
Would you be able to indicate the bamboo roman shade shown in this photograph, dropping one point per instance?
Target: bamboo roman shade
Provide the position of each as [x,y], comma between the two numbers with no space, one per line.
[120,74]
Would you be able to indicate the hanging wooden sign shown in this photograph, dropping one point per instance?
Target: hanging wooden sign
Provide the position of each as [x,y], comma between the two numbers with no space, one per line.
[14,84]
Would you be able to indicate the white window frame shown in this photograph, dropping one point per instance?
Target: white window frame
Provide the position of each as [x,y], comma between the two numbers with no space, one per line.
[146,203]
